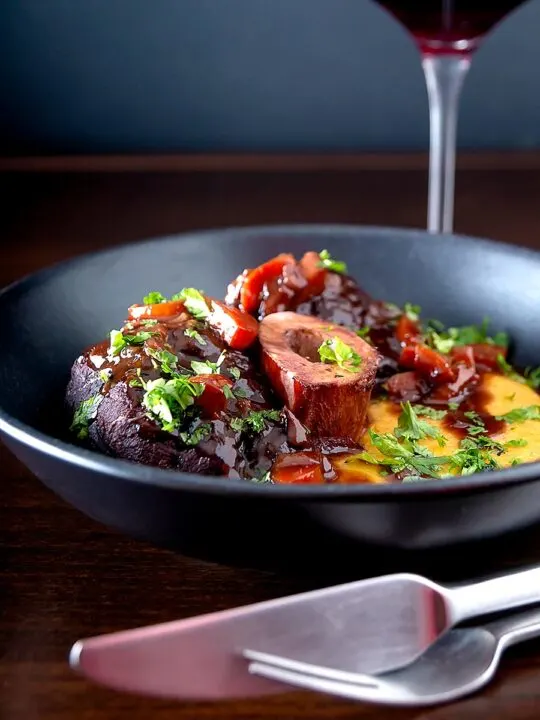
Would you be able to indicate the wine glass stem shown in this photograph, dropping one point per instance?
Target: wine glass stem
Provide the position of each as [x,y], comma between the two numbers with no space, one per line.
[444,78]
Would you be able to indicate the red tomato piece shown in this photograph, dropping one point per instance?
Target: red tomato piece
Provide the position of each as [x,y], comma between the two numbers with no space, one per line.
[254,281]
[300,468]
[486,355]
[427,362]
[236,327]
[310,266]
[158,310]
[407,331]
[463,355]
[213,400]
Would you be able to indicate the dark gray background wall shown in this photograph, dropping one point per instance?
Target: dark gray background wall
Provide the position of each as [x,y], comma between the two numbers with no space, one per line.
[224,75]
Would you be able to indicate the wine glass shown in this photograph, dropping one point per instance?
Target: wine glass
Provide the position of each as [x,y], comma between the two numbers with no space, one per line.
[447,32]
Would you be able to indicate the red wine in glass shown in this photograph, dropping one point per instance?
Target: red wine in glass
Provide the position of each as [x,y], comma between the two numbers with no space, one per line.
[447,32]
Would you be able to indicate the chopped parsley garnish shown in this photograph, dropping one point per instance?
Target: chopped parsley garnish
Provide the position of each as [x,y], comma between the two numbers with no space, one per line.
[520,442]
[154,298]
[475,455]
[196,436]
[411,428]
[336,351]
[167,361]
[401,456]
[265,478]
[363,332]
[235,372]
[227,391]
[168,400]
[476,424]
[207,367]
[453,406]
[84,414]
[241,393]
[194,301]
[192,333]
[105,375]
[519,415]
[118,341]
[430,412]
[412,311]
[444,340]
[255,421]
[532,377]
[327,261]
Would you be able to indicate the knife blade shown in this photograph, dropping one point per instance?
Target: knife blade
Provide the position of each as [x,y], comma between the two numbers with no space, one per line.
[368,626]
[201,657]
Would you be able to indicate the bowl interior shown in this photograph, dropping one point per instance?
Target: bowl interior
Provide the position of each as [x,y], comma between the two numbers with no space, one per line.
[49,318]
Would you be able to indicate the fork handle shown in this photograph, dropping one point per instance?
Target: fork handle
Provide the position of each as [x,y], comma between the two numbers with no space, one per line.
[496,594]
[516,628]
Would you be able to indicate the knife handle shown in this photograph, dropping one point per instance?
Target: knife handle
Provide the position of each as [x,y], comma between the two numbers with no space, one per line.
[496,594]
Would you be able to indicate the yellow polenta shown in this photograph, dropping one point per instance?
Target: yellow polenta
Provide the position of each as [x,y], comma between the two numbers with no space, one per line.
[503,394]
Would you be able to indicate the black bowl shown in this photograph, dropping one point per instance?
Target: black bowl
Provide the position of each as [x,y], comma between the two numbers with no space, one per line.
[50,317]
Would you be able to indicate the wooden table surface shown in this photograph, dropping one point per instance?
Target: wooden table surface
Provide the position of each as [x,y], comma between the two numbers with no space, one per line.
[63,576]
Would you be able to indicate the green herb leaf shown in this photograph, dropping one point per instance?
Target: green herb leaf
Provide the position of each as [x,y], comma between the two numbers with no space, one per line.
[227,391]
[200,433]
[118,341]
[412,311]
[411,428]
[326,261]
[334,350]
[255,422]
[265,478]
[399,456]
[532,377]
[475,455]
[363,332]
[207,367]
[167,360]
[84,414]
[194,301]
[235,372]
[192,333]
[168,400]
[445,340]
[516,443]
[520,415]
[430,412]
[154,298]
[105,375]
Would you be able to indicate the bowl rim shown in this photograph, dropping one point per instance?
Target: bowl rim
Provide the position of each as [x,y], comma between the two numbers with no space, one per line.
[149,475]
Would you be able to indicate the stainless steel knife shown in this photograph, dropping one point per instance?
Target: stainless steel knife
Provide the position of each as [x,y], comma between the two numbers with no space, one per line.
[368,626]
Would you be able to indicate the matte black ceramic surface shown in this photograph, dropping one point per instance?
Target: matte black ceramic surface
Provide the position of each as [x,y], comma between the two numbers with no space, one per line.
[48,319]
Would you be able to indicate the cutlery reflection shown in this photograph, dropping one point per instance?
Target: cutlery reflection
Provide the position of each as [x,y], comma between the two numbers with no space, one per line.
[460,663]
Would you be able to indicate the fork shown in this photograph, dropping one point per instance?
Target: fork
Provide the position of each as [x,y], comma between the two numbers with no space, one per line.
[460,663]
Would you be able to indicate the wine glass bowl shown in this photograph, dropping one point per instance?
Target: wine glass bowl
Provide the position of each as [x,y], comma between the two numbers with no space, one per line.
[446,32]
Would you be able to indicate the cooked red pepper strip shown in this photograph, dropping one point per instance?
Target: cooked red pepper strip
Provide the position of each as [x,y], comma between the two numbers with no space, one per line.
[485,355]
[300,468]
[158,310]
[237,328]
[310,266]
[254,281]
[213,400]
[427,362]
[407,331]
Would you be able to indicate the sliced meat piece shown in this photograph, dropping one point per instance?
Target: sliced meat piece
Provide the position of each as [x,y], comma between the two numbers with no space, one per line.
[329,398]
